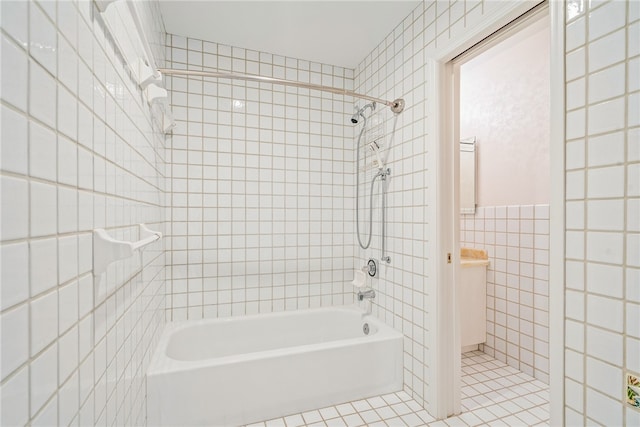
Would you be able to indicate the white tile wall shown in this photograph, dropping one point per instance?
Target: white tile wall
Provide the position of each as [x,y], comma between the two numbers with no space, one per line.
[517,241]
[200,287]
[396,68]
[261,185]
[602,274]
[56,63]
[79,150]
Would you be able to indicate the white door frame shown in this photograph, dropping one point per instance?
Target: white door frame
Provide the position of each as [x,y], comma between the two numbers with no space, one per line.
[444,226]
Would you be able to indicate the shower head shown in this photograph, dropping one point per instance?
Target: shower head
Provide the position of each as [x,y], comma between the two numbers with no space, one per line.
[355,118]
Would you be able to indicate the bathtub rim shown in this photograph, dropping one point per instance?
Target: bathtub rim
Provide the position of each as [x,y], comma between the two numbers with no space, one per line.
[161,364]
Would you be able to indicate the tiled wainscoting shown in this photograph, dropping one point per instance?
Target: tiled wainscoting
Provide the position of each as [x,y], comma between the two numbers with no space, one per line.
[517,241]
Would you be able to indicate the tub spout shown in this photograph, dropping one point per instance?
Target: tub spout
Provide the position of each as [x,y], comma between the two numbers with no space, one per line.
[368,294]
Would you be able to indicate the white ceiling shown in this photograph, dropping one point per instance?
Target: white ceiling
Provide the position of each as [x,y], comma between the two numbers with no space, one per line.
[331,32]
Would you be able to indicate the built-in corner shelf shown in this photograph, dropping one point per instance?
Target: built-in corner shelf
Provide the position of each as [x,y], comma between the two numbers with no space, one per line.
[106,249]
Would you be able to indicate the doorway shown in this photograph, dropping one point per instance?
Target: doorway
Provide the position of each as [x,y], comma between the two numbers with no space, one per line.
[448,213]
[445,211]
[501,129]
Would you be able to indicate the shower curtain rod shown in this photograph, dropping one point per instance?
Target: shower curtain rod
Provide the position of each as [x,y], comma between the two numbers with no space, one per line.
[396,106]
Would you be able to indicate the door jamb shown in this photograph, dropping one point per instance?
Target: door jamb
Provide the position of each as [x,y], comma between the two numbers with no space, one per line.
[445,339]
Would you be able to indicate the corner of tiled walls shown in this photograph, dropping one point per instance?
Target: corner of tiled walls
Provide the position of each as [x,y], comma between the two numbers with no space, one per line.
[260,185]
[602,326]
[516,239]
[397,68]
[79,151]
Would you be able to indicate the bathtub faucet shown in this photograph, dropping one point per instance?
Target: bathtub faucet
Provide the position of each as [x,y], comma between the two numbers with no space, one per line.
[368,294]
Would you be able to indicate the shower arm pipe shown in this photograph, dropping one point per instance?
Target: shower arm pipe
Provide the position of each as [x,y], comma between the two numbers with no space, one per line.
[396,106]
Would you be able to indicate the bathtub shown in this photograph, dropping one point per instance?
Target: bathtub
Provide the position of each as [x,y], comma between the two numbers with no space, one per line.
[234,371]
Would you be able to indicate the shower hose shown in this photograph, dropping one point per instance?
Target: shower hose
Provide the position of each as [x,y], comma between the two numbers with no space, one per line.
[379,174]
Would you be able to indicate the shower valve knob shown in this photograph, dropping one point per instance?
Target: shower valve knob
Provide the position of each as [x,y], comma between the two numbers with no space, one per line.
[372,267]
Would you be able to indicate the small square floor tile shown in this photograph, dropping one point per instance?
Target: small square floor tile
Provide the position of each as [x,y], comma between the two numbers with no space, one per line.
[277,422]
[336,422]
[412,420]
[403,395]
[455,422]
[376,402]
[330,412]
[353,420]
[413,405]
[395,422]
[294,420]
[391,399]
[311,417]
[370,416]
[386,412]
[401,408]
[425,416]
[361,405]
[346,409]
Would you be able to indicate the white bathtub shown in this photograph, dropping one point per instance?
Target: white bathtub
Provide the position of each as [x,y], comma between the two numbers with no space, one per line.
[234,371]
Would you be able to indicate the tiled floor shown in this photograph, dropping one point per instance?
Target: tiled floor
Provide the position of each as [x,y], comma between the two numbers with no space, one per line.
[496,394]
[492,394]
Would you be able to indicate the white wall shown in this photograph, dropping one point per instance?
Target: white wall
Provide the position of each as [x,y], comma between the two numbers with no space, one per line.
[79,151]
[504,103]
[261,184]
[602,206]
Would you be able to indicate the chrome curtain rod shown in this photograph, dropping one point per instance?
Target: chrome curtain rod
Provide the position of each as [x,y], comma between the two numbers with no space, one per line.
[396,106]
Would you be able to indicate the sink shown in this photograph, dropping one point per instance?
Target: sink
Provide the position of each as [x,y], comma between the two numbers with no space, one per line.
[473,257]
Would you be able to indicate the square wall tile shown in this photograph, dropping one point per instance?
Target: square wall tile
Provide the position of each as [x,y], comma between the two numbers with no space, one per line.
[14,73]
[44,321]
[15,339]
[42,148]
[44,265]
[14,142]
[42,95]
[607,51]
[44,206]
[14,284]
[14,395]
[15,208]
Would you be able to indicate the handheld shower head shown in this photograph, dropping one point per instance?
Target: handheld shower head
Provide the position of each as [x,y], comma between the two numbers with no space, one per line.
[355,118]
[375,147]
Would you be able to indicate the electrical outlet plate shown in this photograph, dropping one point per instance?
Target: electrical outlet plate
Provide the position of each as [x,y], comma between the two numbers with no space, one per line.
[633,391]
